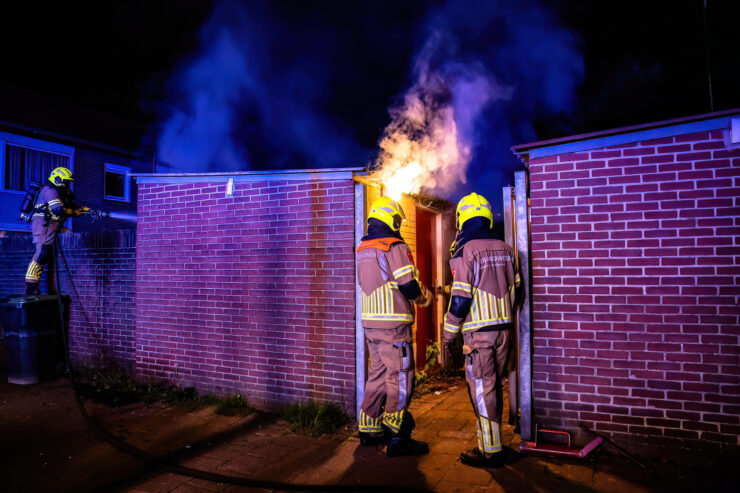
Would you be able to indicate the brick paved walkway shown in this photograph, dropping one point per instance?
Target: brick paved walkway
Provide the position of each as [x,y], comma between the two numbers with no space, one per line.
[46,446]
[446,421]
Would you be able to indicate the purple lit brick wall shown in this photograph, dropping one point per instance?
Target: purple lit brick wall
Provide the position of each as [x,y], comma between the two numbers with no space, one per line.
[635,278]
[251,293]
[101,331]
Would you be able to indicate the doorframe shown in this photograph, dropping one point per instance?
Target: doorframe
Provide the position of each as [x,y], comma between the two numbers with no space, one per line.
[360,356]
[525,310]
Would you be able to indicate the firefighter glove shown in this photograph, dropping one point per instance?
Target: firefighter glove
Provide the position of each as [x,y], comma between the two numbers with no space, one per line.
[427,297]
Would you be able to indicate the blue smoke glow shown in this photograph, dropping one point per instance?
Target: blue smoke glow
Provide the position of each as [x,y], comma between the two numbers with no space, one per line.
[252,98]
[269,91]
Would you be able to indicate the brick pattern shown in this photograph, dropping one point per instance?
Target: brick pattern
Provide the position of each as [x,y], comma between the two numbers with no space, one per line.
[635,253]
[251,293]
[101,330]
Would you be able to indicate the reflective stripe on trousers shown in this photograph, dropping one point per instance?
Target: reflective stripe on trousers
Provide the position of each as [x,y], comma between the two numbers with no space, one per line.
[390,379]
[366,424]
[484,369]
[489,436]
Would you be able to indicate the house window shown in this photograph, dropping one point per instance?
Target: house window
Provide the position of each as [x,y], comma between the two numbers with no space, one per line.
[735,131]
[117,183]
[25,164]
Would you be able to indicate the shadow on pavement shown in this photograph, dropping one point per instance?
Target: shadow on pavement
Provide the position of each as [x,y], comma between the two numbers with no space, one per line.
[181,456]
[371,466]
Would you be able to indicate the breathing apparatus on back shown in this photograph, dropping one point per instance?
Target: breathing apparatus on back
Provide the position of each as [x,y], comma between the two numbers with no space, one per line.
[29,201]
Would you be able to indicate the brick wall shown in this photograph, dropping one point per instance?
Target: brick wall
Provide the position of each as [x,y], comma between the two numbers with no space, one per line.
[101,331]
[251,293]
[635,253]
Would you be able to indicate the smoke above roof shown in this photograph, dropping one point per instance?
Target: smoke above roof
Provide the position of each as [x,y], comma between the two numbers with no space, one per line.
[271,88]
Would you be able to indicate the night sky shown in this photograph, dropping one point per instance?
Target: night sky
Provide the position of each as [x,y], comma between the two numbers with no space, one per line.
[327,73]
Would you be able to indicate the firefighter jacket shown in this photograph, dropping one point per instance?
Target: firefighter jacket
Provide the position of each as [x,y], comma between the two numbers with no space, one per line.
[52,208]
[485,278]
[385,271]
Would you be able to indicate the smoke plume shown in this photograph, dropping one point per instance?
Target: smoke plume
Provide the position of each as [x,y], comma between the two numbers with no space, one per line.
[277,85]
[198,133]
[254,95]
[486,72]
[430,139]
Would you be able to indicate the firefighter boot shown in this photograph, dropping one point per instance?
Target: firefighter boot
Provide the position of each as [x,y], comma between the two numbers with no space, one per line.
[371,439]
[475,458]
[398,447]
[401,443]
[33,288]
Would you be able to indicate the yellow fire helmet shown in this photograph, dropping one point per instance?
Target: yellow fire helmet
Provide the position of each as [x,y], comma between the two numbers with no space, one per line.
[386,209]
[61,176]
[473,205]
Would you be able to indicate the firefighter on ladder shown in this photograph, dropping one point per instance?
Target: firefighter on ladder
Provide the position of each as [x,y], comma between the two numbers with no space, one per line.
[482,305]
[55,203]
[389,283]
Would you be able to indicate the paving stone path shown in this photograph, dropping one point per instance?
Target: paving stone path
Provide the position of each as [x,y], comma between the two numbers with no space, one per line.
[45,446]
[445,420]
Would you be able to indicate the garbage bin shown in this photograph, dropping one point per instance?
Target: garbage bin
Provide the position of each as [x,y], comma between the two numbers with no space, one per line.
[33,337]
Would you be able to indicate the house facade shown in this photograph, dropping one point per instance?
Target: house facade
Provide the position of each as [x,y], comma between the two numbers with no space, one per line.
[102,175]
[99,255]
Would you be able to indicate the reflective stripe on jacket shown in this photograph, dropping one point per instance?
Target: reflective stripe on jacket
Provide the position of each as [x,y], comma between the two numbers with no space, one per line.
[381,267]
[486,273]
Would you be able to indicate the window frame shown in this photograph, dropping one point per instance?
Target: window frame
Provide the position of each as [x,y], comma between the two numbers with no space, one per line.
[121,170]
[36,145]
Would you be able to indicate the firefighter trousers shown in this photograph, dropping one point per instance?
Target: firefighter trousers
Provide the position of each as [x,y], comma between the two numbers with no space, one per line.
[390,380]
[485,363]
[43,256]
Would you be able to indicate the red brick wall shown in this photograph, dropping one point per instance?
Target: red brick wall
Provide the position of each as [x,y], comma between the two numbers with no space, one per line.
[635,256]
[251,293]
[101,331]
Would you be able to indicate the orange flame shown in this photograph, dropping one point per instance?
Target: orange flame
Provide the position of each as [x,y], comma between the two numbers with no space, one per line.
[428,143]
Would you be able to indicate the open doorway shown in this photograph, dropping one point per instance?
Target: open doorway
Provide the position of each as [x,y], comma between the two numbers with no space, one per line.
[434,233]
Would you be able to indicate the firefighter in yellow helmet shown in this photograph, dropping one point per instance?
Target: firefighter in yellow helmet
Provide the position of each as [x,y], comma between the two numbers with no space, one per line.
[55,204]
[390,286]
[482,307]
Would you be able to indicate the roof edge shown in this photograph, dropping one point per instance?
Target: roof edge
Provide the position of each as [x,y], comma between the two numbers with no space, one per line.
[38,133]
[288,174]
[524,148]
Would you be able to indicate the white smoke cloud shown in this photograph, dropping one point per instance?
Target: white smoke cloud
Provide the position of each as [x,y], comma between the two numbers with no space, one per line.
[429,142]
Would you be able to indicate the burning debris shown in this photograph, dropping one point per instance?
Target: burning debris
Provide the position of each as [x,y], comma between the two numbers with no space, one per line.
[430,139]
